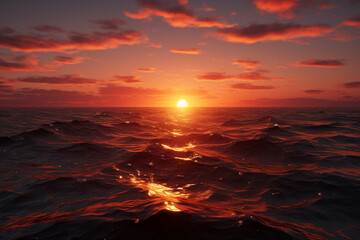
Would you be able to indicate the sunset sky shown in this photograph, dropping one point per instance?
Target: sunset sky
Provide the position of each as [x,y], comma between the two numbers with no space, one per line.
[245,53]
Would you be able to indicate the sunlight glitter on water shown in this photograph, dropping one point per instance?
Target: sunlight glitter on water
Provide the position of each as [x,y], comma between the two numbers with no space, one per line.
[179,149]
[168,194]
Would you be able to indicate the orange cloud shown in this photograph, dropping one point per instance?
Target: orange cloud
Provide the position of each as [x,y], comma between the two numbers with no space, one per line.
[65,79]
[248,86]
[271,32]
[146,70]
[176,16]
[353,21]
[246,63]
[128,79]
[282,7]
[75,41]
[192,51]
[321,63]
[111,24]
[285,8]
[67,60]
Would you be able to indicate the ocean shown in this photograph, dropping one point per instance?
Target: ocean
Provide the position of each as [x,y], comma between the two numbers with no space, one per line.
[180,173]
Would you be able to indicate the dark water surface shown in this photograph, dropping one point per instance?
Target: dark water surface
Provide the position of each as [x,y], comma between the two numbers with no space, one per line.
[196,173]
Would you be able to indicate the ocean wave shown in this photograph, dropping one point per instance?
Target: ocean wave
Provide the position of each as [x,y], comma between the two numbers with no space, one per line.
[162,174]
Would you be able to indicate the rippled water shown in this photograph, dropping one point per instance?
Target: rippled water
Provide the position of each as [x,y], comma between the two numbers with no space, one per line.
[196,173]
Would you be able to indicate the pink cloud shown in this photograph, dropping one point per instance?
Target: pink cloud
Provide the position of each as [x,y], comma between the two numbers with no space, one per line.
[271,32]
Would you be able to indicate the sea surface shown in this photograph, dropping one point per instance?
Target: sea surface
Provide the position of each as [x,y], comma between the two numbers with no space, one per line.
[173,173]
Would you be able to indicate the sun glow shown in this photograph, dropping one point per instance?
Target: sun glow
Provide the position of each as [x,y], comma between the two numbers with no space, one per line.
[182,103]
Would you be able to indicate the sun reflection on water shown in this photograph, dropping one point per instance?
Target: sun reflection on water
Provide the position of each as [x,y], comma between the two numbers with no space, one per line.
[169,195]
[178,149]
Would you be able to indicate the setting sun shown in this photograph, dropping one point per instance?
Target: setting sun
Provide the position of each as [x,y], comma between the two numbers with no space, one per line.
[182,103]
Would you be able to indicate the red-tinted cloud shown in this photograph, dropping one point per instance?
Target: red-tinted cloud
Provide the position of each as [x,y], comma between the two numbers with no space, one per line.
[314,91]
[27,97]
[49,29]
[66,79]
[286,8]
[351,85]
[271,32]
[176,15]
[154,45]
[298,102]
[282,7]
[110,24]
[353,21]
[191,51]
[20,63]
[214,76]
[248,86]
[248,75]
[329,63]
[118,90]
[75,41]
[107,95]
[146,70]
[128,79]
[67,60]
[5,88]
[207,9]
[344,35]
[256,75]
[246,63]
